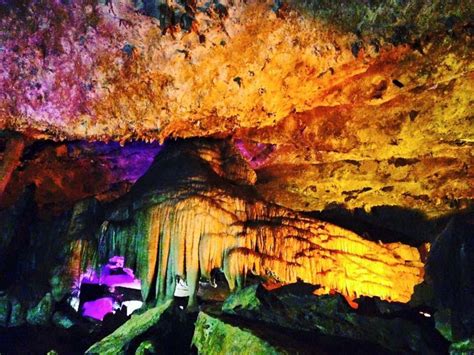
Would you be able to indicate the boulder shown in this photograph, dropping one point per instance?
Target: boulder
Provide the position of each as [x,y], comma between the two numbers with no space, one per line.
[295,307]
[5,309]
[60,284]
[246,299]
[462,347]
[62,320]
[18,314]
[146,347]
[215,336]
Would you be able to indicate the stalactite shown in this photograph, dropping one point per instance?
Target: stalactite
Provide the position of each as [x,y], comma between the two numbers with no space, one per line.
[191,237]
[202,222]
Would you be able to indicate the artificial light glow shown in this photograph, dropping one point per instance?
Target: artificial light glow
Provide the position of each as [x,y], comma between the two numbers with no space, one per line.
[191,237]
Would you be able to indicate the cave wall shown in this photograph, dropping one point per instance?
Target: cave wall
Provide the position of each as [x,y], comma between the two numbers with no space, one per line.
[354,113]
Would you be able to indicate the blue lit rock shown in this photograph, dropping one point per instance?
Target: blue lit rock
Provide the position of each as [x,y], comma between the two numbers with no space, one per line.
[18,314]
[5,308]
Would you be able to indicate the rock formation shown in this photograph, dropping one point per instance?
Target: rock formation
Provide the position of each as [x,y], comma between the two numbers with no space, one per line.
[263,141]
[295,307]
[188,216]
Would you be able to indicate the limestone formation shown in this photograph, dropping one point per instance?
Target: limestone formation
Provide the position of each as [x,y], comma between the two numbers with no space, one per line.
[185,218]
[363,103]
[265,142]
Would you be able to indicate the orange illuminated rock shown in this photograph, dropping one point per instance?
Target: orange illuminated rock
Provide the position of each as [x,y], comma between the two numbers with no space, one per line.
[189,220]
[365,104]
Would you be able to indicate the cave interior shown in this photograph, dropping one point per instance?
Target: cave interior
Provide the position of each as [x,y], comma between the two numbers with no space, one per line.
[236,176]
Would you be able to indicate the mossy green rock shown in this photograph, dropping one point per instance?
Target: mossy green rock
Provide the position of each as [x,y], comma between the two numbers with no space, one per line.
[462,347]
[245,298]
[138,324]
[214,336]
[296,308]
[41,313]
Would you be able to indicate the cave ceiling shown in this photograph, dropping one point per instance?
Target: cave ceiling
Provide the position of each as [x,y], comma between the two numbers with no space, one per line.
[353,104]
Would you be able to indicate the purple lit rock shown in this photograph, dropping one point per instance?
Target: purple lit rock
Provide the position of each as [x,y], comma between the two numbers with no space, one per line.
[256,154]
[99,308]
[112,275]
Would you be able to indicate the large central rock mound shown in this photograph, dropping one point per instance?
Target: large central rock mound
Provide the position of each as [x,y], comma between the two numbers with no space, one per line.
[195,211]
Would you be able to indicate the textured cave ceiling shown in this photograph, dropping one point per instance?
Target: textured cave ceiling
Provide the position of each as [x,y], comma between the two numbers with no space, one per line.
[354,104]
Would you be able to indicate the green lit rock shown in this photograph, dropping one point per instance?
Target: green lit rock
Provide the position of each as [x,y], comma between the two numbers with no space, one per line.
[396,21]
[60,285]
[41,313]
[5,308]
[61,320]
[296,308]
[146,347]
[443,323]
[214,336]
[462,347]
[138,324]
[245,298]
[18,314]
